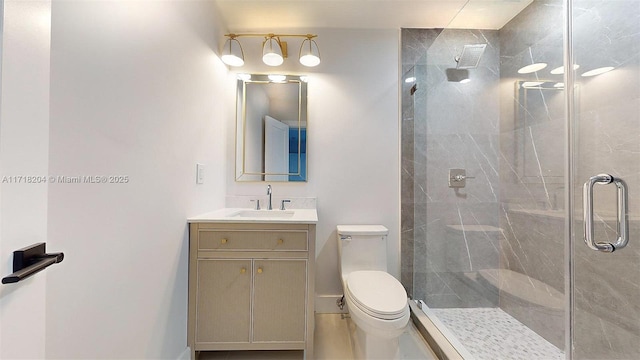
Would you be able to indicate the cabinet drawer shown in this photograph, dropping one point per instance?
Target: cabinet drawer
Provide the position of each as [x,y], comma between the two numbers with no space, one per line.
[252,240]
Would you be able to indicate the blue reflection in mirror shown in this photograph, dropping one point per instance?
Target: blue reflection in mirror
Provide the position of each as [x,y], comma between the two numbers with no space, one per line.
[294,133]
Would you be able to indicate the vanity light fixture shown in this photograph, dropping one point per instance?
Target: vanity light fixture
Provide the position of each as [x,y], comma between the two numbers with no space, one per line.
[598,71]
[272,53]
[309,52]
[232,53]
[274,50]
[532,68]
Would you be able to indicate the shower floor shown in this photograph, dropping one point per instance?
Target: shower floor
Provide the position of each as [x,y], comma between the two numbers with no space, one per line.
[492,334]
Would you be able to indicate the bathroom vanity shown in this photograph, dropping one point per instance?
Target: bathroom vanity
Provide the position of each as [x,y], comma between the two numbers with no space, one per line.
[251,280]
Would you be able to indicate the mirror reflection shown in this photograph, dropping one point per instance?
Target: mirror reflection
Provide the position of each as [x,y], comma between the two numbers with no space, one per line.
[539,107]
[271,128]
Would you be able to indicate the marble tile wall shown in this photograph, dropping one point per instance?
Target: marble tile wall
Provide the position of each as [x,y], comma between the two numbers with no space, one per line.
[450,125]
[607,286]
[512,140]
[607,123]
[415,43]
[532,161]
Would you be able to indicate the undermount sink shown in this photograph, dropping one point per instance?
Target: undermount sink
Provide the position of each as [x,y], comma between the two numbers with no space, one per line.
[264,213]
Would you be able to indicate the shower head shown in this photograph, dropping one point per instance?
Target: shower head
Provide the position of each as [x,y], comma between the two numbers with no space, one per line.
[470,56]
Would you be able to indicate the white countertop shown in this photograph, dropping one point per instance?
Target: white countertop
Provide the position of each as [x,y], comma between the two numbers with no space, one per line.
[230,215]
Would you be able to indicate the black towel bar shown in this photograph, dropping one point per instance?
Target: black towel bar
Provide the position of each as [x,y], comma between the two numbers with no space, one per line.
[30,260]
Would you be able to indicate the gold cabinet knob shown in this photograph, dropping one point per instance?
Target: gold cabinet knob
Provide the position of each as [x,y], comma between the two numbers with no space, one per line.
[280,241]
[223,241]
[243,270]
[259,270]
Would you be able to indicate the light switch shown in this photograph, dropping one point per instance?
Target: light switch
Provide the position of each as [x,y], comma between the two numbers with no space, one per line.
[199,174]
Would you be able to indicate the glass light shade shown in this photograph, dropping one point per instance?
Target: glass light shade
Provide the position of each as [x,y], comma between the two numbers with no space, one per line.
[309,53]
[532,68]
[272,52]
[232,53]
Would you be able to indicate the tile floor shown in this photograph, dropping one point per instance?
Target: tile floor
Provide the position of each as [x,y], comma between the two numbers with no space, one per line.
[491,333]
[332,342]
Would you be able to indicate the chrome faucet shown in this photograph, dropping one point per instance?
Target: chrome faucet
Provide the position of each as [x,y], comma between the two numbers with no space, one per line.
[269,193]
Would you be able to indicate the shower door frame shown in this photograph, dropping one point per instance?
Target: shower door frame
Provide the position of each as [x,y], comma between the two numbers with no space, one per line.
[569,241]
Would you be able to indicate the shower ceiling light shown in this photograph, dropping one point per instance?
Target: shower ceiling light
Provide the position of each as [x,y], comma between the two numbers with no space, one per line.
[274,51]
[532,68]
[560,70]
[598,71]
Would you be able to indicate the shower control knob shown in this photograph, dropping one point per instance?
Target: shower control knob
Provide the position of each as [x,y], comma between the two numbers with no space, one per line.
[458,178]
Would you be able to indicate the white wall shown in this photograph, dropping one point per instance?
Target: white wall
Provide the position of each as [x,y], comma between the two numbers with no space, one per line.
[137,91]
[24,126]
[353,140]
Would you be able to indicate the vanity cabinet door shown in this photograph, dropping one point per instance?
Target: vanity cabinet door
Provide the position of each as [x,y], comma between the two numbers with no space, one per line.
[279,305]
[223,301]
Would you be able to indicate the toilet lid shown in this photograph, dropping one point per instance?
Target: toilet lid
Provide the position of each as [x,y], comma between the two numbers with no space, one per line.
[378,292]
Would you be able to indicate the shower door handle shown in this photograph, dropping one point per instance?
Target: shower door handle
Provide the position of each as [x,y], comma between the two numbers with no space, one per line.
[622,213]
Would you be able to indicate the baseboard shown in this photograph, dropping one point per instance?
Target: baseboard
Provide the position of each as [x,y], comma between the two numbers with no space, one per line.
[185,355]
[326,304]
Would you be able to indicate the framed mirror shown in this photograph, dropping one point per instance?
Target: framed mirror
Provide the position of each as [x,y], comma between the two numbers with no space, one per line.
[271,128]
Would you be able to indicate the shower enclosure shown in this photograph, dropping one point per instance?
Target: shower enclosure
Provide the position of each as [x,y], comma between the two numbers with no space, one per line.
[494,162]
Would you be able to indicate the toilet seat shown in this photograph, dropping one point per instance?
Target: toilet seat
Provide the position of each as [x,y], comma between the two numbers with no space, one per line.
[377,293]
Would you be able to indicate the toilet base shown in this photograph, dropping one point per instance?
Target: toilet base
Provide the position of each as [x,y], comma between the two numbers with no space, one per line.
[371,347]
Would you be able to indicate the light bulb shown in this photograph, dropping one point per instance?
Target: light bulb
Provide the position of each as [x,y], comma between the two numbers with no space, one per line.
[272,52]
[232,53]
[309,53]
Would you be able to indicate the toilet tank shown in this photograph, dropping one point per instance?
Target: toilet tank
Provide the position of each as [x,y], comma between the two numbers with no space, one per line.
[362,247]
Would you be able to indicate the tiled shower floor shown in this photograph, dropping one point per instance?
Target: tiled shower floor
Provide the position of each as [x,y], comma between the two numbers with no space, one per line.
[492,334]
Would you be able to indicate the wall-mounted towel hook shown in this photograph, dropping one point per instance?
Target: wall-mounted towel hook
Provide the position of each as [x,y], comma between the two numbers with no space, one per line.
[30,260]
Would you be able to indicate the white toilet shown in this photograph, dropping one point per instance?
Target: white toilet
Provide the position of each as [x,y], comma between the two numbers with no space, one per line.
[377,302]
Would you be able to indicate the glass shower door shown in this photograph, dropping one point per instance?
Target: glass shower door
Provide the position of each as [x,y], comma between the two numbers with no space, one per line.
[606,130]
